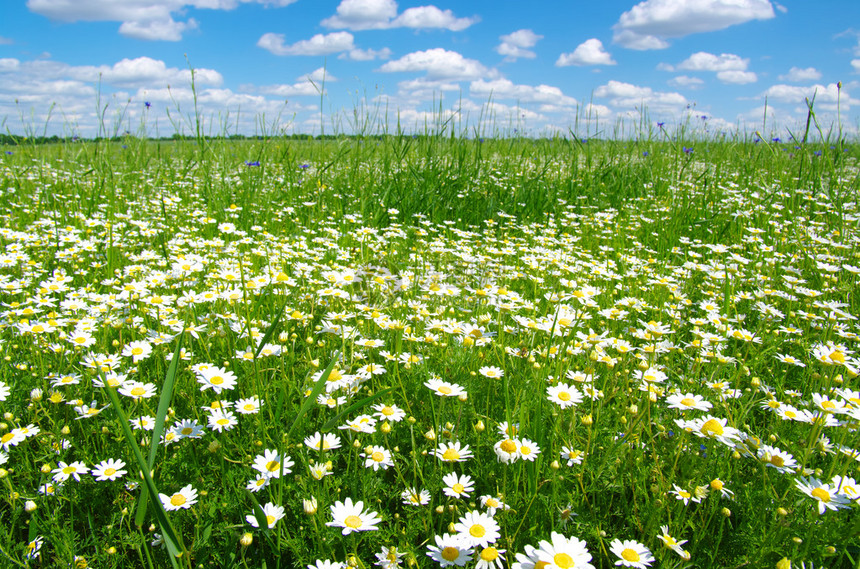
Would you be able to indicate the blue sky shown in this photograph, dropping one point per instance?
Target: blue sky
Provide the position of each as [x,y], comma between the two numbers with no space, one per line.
[540,67]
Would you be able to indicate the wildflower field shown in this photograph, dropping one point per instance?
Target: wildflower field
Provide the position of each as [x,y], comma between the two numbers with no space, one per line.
[430,351]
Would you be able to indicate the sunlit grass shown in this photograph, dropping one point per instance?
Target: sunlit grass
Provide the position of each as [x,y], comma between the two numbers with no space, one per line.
[430,350]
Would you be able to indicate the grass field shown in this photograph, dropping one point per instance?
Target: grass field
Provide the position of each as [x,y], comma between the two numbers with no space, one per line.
[430,351]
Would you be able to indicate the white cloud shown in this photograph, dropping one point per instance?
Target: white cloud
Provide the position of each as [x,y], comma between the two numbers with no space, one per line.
[855,63]
[505,89]
[318,45]
[141,19]
[798,75]
[826,96]
[438,64]
[516,44]
[6,41]
[589,52]
[144,71]
[686,81]
[9,64]
[730,68]
[737,77]
[626,95]
[365,54]
[704,61]
[382,14]
[649,23]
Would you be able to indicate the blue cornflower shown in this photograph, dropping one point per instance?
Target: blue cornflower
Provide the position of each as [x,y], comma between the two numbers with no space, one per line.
[254,163]
[661,124]
[775,139]
[687,150]
[817,153]
[147,104]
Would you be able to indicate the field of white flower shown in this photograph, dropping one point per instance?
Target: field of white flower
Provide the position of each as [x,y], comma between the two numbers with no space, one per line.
[429,351]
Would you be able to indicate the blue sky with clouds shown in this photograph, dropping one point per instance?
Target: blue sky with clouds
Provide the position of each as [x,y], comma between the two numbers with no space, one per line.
[541,67]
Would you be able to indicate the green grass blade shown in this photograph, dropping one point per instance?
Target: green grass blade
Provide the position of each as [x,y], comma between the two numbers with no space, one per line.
[318,388]
[259,514]
[171,539]
[163,406]
[270,331]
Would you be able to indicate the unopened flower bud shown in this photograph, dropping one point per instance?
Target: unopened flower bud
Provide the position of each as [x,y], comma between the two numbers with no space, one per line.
[479,426]
[310,506]
[246,539]
[30,506]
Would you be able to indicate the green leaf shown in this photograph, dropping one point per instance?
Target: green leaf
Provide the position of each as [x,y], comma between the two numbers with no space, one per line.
[259,514]
[270,330]
[171,539]
[163,406]
[318,388]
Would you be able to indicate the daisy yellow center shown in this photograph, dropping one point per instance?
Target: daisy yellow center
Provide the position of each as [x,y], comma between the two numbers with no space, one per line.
[838,356]
[445,389]
[138,391]
[353,522]
[223,421]
[541,564]
[187,431]
[217,380]
[492,503]
[335,375]
[387,411]
[712,427]
[477,530]
[248,407]
[273,465]
[178,499]
[489,554]
[458,488]
[525,450]
[378,456]
[688,402]
[6,438]
[508,446]
[80,340]
[136,351]
[821,494]
[790,414]
[450,454]
[777,460]
[717,484]
[564,396]
[630,555]
[563,560]
[110,472]
[827,405]
[270,520]
[684,494]
[773,404]
[450,553]
[69,470]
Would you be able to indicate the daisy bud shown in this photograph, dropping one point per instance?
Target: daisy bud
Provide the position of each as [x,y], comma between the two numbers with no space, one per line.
[351,561]
[587,420]
[46,469]
[356,443]
[783,563]
[755,382]
[479,426]
[555,465]
[65,431]
[782,512]
[36,395]
[385,427]
[463,397]
[633,409]
[431,436]
[451,528]
[652,397]
[246,539]
[30,506]
[111,550]
[726,512]
[440,509]
[797,540]
[310,506]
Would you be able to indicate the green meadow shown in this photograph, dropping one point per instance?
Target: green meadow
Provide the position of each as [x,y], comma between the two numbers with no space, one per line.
[431,350]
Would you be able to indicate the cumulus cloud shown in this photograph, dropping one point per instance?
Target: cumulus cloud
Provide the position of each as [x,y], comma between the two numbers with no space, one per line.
[506,89]
[141,19]
[365,54]
[439,64]
[648,24]
[32,88]
[517,44]
[730,68]
[382,14]
[798,75]
[589,52]
[826,96]
[626,95]
[686,81]
[320,44]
